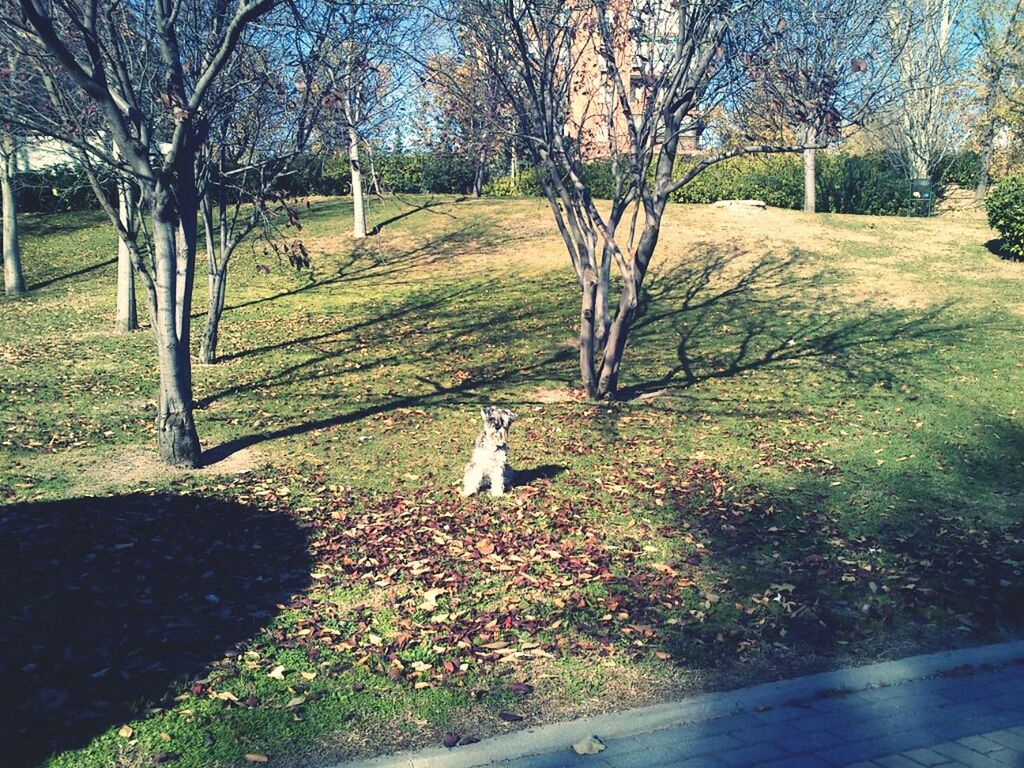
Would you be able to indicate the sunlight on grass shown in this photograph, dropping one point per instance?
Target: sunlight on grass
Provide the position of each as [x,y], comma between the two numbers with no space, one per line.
[818,460]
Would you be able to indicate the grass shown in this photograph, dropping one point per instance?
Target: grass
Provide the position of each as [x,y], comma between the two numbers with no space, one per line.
[817,462]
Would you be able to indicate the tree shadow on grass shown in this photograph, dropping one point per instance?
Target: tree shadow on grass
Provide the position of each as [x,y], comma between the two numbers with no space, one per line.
[107,603]
[366,261]
[729,318]
[793,579]
[70,275]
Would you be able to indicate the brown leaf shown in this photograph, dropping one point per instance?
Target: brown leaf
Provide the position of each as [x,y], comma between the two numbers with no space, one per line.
[255,757]
[510,717]
[485,547]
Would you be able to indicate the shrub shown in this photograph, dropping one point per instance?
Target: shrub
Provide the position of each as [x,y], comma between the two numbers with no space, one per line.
[58,188]
[776,179]
[1005,204]
[864,184]
[962,169]
[523,184]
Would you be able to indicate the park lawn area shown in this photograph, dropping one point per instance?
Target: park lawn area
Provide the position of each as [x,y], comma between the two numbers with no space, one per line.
[818,460]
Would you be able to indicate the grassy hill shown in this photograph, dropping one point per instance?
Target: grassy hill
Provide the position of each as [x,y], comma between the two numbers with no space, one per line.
[818,461]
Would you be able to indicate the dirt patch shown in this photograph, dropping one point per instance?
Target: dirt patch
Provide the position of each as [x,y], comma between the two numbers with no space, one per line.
[558,395]
[138,464]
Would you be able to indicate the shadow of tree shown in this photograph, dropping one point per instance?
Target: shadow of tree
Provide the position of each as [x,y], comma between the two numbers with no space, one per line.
[70,275]
[109,602]
[730,317]
[799,576]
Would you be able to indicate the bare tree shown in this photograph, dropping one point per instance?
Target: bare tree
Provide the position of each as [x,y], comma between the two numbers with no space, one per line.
[365,77]
[10,84]
[822,66]
[998,28]
[261,120]
[144,72]
[126,314]
[627,81]
[924,125]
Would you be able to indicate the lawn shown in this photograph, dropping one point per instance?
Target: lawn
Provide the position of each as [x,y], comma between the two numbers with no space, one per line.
[818,461]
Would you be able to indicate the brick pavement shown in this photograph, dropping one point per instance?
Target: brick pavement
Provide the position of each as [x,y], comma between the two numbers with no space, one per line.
[973,719]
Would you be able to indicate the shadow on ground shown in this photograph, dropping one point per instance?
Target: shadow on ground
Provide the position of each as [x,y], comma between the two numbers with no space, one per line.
[107,603]
[722,314]
[997,248]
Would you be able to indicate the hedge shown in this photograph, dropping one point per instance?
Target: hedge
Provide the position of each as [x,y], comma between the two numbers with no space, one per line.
[846,183]
[1005,204]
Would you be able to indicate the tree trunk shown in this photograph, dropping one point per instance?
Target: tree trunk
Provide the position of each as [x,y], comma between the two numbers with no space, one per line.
[127,312]
[358,207]
[988,140]
[218,282]
[601,319]
[810,191]
[615,346]
[479,175]
[177,440]
[14,279]
[587,374]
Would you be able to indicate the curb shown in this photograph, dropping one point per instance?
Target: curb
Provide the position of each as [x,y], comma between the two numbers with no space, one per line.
[616,725]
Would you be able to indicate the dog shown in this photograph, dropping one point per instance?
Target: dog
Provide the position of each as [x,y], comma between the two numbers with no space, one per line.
[489,465]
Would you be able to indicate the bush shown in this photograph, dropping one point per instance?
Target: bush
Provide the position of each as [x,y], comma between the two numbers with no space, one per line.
[776,179]
[58,188]
[1005,204]
[524,184]
[962,169]
[864,184]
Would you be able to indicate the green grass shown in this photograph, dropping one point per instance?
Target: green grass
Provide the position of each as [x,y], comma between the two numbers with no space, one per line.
[818,462]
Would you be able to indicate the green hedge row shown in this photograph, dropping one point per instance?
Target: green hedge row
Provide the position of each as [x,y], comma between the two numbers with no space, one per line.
[846,183]
[60,188]
[410,173]
[868,184]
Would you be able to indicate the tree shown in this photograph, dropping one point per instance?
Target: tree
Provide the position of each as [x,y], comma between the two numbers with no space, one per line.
[126,316]
[261,119]
[469,118]
[924,125]
[822,66]
[14,279]
[365,77]
[592,78]
[998,27]
[143,72]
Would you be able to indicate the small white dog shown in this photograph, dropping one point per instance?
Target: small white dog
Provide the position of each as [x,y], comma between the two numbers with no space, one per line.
[489,464]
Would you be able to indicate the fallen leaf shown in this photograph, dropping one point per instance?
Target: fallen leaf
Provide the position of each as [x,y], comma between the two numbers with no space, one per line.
[485,547]
[523,689]
[509,717]
[162,757]
[255,757]
[125,731]
[277,672]
[450,740]
[308,675]
[430,599]
[296,701]
[588,746]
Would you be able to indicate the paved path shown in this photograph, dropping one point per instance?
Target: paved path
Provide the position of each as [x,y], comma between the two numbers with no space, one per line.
[963,708]
[976,720]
